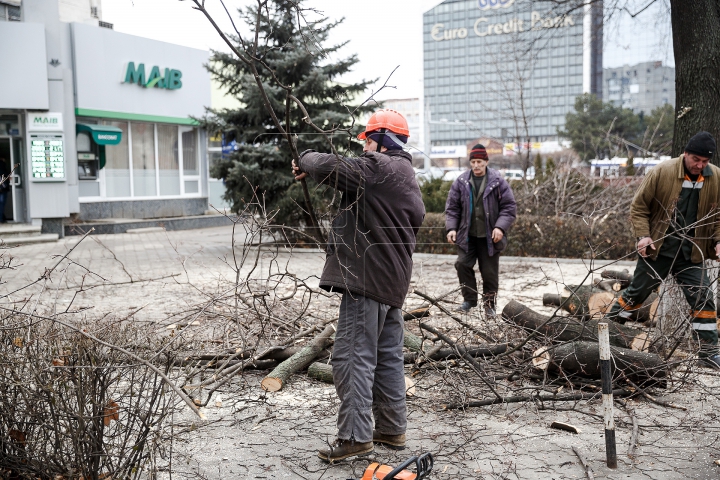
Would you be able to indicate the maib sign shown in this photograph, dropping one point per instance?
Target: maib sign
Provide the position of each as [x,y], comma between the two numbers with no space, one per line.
[488,4]
[45,121]
[171,80]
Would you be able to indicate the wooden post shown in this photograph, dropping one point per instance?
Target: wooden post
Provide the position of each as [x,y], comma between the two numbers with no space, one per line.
[606,375]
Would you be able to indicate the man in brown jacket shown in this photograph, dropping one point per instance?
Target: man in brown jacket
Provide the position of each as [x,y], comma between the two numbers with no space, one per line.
[676,220]
[369,260]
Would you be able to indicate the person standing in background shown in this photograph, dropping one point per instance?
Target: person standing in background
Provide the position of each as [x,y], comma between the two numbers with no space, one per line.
[4,186]
[479,212]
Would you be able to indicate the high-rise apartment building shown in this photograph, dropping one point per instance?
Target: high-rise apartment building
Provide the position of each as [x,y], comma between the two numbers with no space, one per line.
[641,88]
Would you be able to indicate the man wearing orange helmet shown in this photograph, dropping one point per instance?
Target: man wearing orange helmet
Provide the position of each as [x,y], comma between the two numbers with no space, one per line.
[369,260]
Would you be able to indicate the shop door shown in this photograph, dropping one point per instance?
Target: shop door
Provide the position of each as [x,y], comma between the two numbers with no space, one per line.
[11,151]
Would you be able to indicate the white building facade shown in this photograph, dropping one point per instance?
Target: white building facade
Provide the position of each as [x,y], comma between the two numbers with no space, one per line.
[99,124]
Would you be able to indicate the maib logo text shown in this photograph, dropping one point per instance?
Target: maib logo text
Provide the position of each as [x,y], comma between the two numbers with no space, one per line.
[171,80]
[488,4]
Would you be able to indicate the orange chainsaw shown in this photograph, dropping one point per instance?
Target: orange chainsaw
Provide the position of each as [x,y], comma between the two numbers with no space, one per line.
[423,466]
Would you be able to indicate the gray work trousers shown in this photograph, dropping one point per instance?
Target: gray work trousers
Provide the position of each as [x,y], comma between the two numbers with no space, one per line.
[367,367]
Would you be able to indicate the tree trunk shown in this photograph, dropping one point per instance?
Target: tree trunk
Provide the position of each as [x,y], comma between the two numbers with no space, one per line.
[416,313]
[277,378]
[568,397]
[623,275]
[583,358]
[412,342]
[450,353]
[600,303]
[321,371]
[696,43]
[566,329]
[576,303]
[611,285]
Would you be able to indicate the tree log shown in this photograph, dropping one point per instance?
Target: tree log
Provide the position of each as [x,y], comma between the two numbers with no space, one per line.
[568,397]
[277,378]
[412,342]
[583,358]
[450,353]
[222,363]
[416,313]
[321,371]
[609,285]
[580,300]
[624,276]
[567,329]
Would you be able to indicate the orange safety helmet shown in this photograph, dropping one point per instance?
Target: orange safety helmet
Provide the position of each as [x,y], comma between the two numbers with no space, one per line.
[386,119]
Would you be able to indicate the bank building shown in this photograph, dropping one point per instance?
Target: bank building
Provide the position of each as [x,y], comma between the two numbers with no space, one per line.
[98,124]
[507,70]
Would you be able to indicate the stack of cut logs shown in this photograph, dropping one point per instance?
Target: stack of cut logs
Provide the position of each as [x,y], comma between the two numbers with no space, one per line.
[568,341]
[574,348]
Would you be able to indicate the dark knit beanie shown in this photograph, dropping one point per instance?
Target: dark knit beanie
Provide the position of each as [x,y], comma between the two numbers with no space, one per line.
[387,141]
[478,151]
[702,144]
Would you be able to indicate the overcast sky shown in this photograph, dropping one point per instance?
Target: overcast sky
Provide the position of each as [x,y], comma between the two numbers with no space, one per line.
[384,33]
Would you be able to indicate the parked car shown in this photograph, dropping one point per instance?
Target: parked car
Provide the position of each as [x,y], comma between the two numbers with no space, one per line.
[452,175]
[517,174]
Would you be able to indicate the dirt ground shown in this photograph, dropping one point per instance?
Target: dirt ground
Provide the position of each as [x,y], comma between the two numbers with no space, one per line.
[253,434]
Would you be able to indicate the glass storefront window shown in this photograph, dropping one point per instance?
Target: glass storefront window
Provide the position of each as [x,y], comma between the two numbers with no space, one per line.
[151,160]
[190,152]
[143,159]
[213,158]
[9,124]
[168,160]
[215,142]
[117,164]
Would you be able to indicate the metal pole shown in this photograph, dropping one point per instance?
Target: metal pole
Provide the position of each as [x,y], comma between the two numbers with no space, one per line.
[606,375]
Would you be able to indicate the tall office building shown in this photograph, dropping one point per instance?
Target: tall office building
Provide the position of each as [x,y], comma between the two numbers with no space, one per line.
[507,69]
[641,88]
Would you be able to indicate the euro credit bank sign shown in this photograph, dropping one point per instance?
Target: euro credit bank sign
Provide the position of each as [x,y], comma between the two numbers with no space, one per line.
[171,80]
[483,27]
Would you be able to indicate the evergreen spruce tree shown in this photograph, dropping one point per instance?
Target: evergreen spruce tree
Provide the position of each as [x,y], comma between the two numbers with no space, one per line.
[538,167]
[296,57]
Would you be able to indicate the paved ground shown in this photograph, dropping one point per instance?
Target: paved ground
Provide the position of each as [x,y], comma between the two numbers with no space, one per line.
[251,434]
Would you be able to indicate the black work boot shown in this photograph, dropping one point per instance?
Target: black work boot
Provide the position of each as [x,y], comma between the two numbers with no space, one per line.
[342,449]
[712,361]
[466,306]
[394,442]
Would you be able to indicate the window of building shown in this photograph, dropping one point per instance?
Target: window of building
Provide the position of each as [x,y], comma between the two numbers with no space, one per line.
[9,13]
[168,160]
[142,138]
[191,170]
[151,160]
[117,164]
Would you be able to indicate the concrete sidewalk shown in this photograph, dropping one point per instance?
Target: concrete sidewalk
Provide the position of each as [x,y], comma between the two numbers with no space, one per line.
[253,434]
